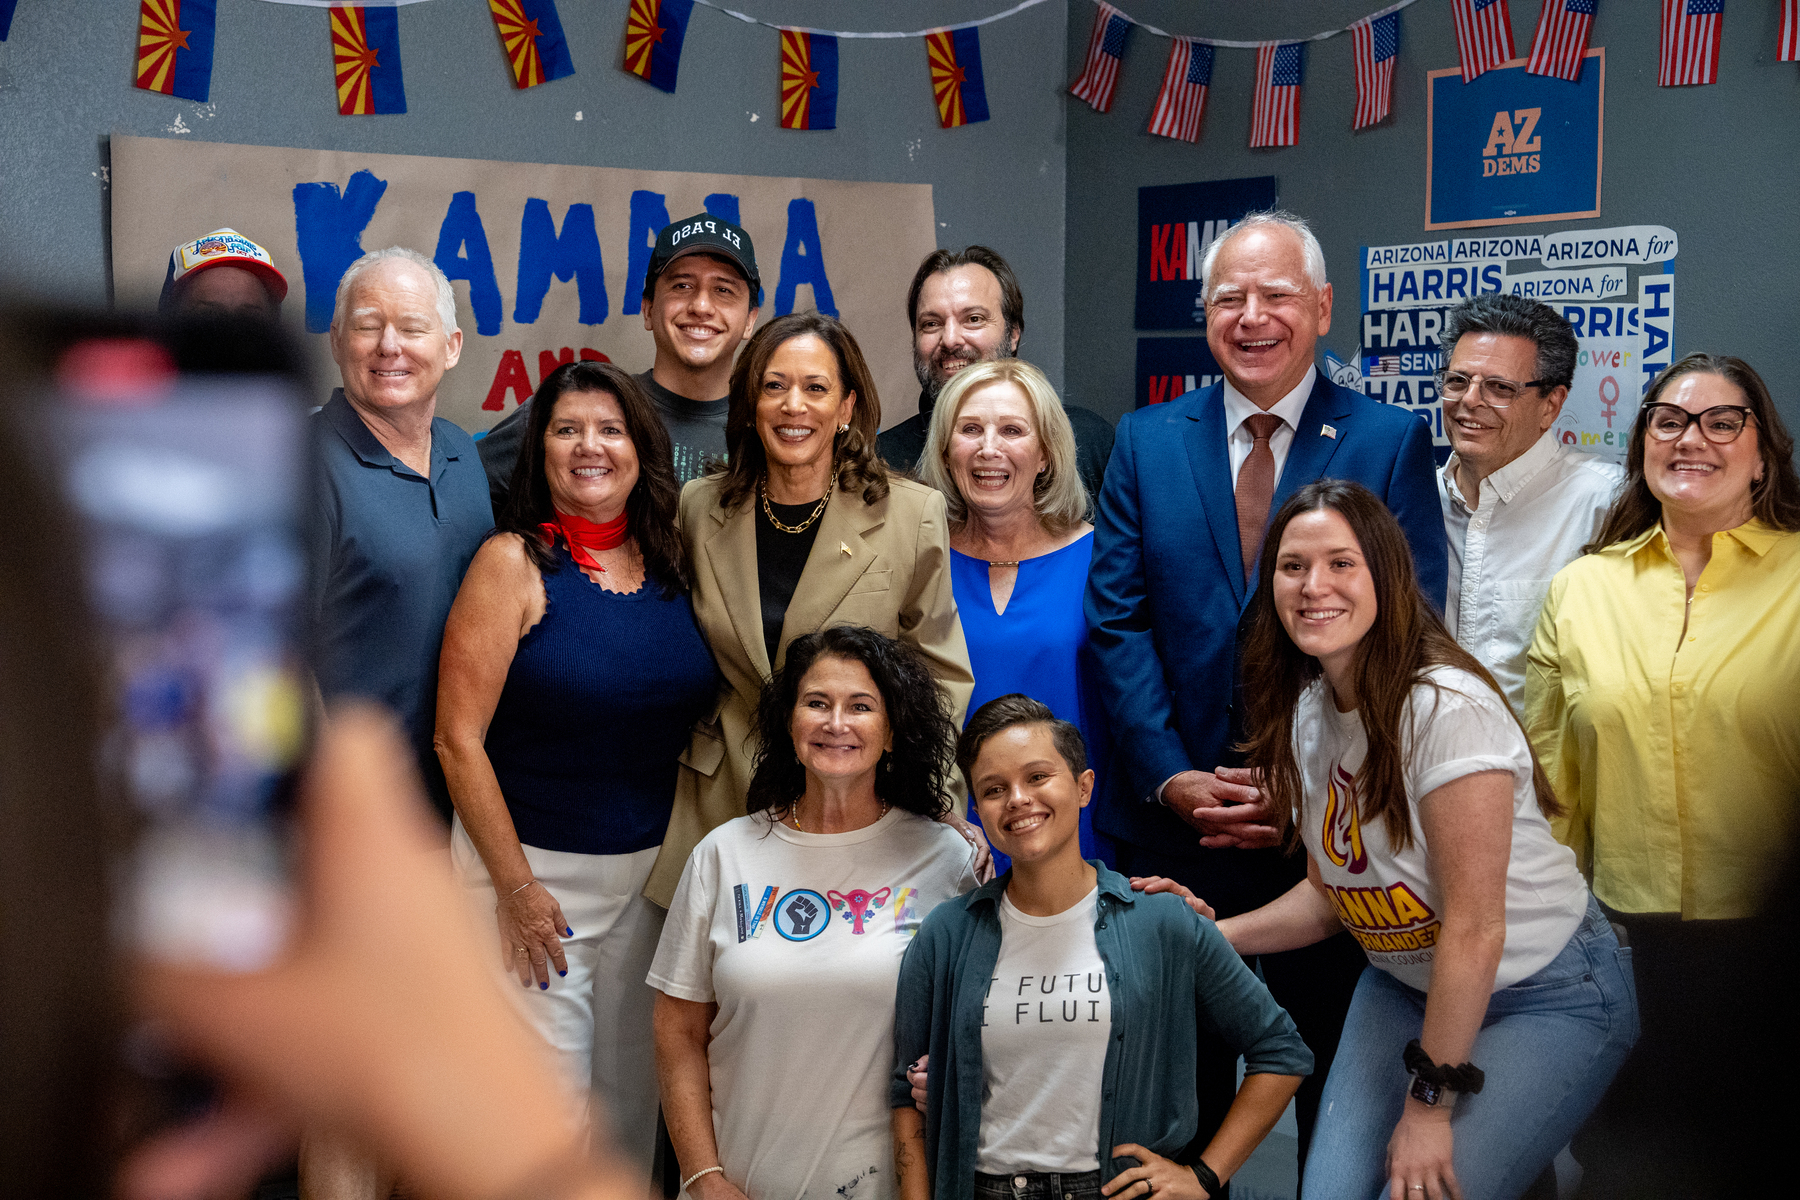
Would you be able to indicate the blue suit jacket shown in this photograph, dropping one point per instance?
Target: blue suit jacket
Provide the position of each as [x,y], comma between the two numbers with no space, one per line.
[1167,589]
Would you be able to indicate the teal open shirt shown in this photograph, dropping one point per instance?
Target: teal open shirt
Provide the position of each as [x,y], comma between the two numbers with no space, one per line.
[1173,979]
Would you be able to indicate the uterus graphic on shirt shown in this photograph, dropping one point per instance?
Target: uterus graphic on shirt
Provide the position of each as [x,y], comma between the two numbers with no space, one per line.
[1390,921]
[1071,997]
[802,914]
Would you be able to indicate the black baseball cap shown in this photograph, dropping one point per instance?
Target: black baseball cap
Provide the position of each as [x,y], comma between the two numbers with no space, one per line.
[705,234]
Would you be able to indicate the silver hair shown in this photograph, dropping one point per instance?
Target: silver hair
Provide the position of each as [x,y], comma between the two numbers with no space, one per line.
[1313,253]
[1058,495]
[446,297]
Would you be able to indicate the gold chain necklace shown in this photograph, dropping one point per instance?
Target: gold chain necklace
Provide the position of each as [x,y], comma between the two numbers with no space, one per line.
[802,527]
[794,814]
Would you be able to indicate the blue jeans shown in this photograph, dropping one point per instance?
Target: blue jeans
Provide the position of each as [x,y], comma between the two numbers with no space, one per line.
[1550,1044]
[1038,1185]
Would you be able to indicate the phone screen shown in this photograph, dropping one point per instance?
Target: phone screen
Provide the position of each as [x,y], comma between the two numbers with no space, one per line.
[190,498]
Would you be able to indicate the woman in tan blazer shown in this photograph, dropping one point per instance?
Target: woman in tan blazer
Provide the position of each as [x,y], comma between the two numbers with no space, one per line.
[803,529]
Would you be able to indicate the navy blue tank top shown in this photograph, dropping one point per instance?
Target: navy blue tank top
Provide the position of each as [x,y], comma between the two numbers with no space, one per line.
[597,708]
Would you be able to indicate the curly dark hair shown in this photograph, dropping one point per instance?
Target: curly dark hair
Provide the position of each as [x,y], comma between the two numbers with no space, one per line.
[650,508]
[912,775]
[860,468]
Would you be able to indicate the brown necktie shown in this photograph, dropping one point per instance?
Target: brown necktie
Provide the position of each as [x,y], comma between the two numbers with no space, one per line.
[1256,488]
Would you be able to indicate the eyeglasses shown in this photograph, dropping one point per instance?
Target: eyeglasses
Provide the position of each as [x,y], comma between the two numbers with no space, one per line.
[1720,424]
[1499,393]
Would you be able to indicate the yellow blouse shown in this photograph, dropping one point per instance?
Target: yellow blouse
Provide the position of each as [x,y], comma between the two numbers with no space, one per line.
[1679,764]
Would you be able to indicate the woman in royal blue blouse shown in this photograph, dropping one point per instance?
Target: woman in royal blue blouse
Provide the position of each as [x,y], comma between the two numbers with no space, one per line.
[1002,452]
[572,672]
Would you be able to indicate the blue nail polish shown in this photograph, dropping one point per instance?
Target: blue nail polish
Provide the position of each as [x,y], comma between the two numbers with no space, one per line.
[544,987]
[563,973]
[568,932]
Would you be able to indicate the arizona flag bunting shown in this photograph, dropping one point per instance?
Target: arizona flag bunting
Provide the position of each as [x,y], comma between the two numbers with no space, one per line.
[654,30]
[175,47]
[1690,42]
[1790,31]
[809,80]
[956,83]
[1182,101]
[365,54]
[1561,39]
[1375,45]
[1106,46]
[1275,108]
[533,37]
[1483,35]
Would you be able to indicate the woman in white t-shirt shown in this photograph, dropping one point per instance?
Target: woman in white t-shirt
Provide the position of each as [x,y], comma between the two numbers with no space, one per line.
[779,957]
[1494,983]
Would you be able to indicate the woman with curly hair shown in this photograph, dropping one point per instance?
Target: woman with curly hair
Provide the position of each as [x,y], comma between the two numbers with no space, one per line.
[801,529]
[781,952]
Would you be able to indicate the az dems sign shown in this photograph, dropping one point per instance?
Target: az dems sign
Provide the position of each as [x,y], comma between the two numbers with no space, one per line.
[547,261]
[1513,147]
[1176,223]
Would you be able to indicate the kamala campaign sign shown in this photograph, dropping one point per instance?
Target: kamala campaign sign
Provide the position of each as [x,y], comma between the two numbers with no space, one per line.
[1615,287]
[1169,366]
[1511,147]
[1176,223]
[547,261]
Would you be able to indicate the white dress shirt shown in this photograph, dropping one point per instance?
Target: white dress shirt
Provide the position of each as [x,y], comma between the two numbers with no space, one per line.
[1535,515]
[1239,408]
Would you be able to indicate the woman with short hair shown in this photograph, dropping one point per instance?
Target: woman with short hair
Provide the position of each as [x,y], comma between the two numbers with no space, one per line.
[774,1029]
[1001,450]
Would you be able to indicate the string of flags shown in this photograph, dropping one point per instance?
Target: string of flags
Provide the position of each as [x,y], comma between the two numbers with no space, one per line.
[175,56]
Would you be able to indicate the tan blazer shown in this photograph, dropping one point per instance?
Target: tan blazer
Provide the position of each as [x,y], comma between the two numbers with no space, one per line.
[885,565]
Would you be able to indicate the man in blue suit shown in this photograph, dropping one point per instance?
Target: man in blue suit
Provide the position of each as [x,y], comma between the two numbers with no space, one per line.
[1188,493]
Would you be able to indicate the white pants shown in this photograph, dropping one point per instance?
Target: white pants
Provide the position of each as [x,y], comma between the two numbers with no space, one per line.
[597,1017]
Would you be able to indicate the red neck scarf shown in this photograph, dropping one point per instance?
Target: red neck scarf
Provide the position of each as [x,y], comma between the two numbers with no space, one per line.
[584,537]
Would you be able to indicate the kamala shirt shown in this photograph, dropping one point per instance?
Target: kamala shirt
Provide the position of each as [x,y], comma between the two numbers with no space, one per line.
[1535,515]
[1678,755]
[1044,1031]
[797,937]
[1454,725]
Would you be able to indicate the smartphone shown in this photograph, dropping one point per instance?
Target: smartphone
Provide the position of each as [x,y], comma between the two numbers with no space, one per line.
[189,494]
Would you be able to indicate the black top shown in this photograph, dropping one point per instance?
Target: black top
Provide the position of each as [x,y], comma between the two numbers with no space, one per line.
[901,446]
[780,558]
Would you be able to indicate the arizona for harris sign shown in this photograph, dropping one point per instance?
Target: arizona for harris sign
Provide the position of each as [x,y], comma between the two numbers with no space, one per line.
[547,261]
[1512,147]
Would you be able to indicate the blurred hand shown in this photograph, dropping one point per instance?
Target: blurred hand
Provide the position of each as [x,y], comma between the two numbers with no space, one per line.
[1152,884]
[389,1030]
[917,1076]
[984,855]
[1226,806]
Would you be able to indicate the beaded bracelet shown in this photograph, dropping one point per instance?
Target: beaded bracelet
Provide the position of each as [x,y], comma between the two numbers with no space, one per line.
[689,1181]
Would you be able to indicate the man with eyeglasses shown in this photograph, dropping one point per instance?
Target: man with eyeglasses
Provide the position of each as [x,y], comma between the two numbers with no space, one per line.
[1518,504]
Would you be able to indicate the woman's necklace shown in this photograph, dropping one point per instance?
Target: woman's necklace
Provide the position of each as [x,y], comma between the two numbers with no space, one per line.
[802,527]
[794,814]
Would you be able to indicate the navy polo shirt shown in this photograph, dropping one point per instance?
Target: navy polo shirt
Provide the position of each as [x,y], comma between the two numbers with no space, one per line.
[391,550]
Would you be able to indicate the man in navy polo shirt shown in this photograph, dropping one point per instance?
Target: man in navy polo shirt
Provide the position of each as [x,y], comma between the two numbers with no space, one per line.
[403,499]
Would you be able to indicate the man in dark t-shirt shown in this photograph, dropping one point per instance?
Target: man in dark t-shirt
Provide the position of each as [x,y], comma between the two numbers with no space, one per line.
[701,297]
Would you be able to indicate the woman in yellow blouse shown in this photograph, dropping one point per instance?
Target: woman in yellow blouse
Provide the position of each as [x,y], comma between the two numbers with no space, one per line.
[1661,696]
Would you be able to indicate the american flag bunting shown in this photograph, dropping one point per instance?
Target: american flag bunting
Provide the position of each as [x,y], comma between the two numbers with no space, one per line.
[1790,31]
[1375,45]
[1275,108]
[1561,40]
[1182,101]
[1483,35]
[1690,42]
[1106,47]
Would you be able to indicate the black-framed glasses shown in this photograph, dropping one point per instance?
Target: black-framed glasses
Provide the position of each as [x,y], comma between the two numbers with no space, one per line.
[1719,424]
[1499,393]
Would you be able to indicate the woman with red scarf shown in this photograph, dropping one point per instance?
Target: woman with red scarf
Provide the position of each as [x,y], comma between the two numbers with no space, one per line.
[572,674]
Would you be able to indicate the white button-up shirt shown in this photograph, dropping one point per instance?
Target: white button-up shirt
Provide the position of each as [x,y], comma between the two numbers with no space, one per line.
[1535,515]
[1239,408]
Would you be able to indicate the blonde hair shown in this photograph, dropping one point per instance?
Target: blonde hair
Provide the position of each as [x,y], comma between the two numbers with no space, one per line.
[1057,494]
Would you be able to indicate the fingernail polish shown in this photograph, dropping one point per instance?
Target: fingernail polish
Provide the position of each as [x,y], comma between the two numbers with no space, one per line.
[563,973]
[544,986]
[567,932]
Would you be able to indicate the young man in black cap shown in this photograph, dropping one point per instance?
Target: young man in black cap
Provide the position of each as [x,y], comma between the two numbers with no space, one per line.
[701,296]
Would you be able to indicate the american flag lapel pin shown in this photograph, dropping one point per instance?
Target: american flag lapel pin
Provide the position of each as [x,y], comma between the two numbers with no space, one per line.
[1329,431]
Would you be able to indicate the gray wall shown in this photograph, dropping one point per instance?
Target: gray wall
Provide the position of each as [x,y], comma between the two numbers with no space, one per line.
[66,84]
[1717,164]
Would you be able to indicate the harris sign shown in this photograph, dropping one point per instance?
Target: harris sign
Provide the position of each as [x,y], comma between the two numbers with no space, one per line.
[1511,147]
